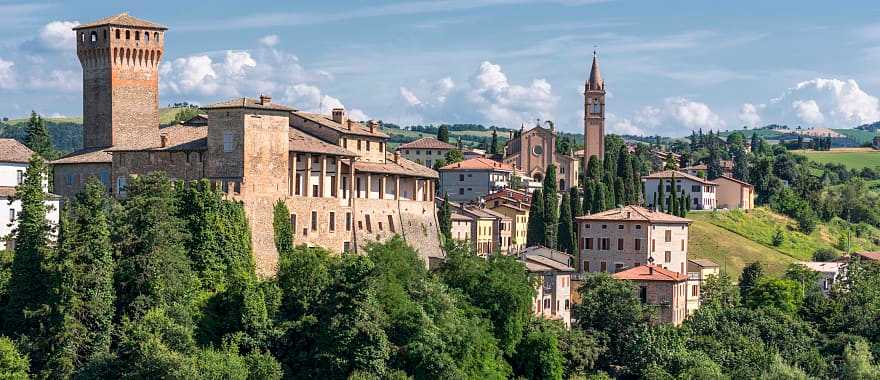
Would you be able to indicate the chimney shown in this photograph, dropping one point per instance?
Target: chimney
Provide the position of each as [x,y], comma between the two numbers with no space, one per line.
[339,115]
[348,124]
[373,124]
[396,157]
[265,100]
[650,269]
[164,140]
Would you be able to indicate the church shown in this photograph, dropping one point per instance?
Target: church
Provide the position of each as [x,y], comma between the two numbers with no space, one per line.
[532,151]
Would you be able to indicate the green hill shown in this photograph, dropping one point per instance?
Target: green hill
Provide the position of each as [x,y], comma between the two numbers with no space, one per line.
[735,238]
[852,158]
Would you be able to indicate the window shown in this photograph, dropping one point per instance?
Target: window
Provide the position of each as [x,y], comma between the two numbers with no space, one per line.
[668,236]
[567,305]
[346,246]
[316,191]
[20,176]
[121,184]
[332,221]
[359,144]
[369,225]
[348,221]
[147,36]
[604,226]
[11,215]
[314,220]
[605,244]
[695,188]
[653,245]
[391,223]
[643,294]
[368,145]
[682,244]
[597,108]
[546,303]
[586,266]
[461,177]
[668,256]
[618,267]
[587,226]
[638,226]
[589,243]
[68,181]
[460,191]
[620,226]
[117,34]
[228,141]
[603,267]
[293,223]
[94,36]
[638,243]
[620,244]
[137,36]
[127,34]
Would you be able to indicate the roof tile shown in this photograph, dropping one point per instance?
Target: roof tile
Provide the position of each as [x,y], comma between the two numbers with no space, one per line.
[649,272]
[11,150]
[479,163]
[122,19]
[634,213]
[426,143]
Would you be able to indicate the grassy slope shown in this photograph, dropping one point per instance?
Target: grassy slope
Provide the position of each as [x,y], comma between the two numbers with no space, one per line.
[735,238]
[166,115]
[854,158]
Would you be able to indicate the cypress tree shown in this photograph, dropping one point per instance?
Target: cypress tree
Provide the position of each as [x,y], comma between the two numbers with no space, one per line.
[636,164]
[86,305]
[630,195]
[661,195]
[654,204]
[551,208]
[682,204]
[535,233]
[28,312]
[620,191]
[493,148]
[610,190]
[673,197]
[566,230]
[282,227]
[594,169]
[443,133]
[574,196]
[589,191]
[600,198]
[687,203]
[38,139]
[444,216]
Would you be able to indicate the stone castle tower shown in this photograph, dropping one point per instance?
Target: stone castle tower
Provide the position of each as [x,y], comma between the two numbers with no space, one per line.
[594,114]
[120,60]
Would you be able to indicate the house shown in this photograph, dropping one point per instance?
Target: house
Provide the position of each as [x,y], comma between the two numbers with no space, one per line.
[700,192]
[200,120]
[631,236]
[698,271]
[829,273]
[733,193]
[868,256]
[702,170]
[473,179]
[470,153]
[660,288]
[425,151]
[490,231]
[519,216]
[509,195]
[553,297]
[462,226]
[14,160]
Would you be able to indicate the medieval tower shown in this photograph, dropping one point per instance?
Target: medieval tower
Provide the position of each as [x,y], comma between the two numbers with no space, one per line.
[120,60]
[594,114]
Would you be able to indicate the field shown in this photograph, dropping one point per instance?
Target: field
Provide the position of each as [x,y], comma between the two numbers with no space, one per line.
[735,238]
[166,115]
[853,158]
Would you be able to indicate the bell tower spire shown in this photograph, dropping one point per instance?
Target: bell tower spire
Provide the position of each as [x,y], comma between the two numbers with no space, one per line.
[594,113]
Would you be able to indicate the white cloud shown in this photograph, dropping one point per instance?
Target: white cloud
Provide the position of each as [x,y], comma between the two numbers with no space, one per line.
[808,111]
[194,74]
[237,62]
[7,74]
[833,103]
[270,40]
[59,35]
[309,98]
[748,114]
[693,114]
[61,80]
[410,98]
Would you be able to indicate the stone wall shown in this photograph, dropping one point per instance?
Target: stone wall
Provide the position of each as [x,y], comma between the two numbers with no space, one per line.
[180,165]
[69,179]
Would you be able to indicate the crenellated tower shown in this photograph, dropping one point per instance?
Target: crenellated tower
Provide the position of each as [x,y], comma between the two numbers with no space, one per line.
[120,58]
[594,114]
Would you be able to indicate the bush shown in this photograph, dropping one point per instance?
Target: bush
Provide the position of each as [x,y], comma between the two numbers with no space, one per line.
[825,255]
[13,365]
[778,238]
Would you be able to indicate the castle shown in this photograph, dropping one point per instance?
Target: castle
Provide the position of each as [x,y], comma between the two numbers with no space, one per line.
[341,185]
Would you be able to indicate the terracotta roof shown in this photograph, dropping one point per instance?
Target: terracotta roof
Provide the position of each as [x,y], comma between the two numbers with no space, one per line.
[665,174]
[7,191]
[426,143]
[248,103]
[705,263]
[482,213]
[595,82]
[649,272]
[86,156]
[357,128]
[819,266]
[402,167]
[457,216]
[729,178]
[539,258]
[510,205]
[479,163]
[13,151]
[122,19]
[634,213]
[696,167]
[304,142]
[873,256]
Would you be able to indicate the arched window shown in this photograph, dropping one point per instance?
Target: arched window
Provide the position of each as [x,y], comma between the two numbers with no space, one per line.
[127,34]
[137,35]
[117,34]
[156,36]
[147,36]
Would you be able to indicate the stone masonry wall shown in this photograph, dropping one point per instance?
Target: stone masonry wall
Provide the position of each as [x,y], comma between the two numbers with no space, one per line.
[69,179]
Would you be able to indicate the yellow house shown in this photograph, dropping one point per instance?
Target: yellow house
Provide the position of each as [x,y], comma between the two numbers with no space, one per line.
[520,217]
[733,193]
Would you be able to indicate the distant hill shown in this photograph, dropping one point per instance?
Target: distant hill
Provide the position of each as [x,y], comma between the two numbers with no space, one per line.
[873,127]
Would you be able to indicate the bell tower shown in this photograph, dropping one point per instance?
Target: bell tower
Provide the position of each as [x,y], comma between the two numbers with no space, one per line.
[594,114]
[120,60]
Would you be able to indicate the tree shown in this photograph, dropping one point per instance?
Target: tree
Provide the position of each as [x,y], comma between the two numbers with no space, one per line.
[740,164]
[86,285]
[454,156]
[588,196]
[493,146]
[574,196]
[778,238]
[551,208]
[682,204]
[785,295]
[825,255]
[594,169]
[719,291]
[443,133]
[609,307]
[661,196]
[13,365]
[567,232]
[28,313]
[750,276]
[282,227]
[535,232]
[444,218]
[858,362]
[672,204]
[714,168]
[38,139]
[600,198]
[537,354]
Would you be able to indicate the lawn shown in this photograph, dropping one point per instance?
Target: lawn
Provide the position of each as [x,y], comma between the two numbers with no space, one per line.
[853,158]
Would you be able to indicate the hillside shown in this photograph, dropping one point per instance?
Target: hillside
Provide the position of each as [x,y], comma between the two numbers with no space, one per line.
[735,238]
[852,158]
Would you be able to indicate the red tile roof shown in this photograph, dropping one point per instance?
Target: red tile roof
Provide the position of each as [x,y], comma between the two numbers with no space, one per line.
[426,143]
[13,151]
[666,174]
[402,167]
[351,128]
[304,142]
[649,272]
[873,256]
[635,214]
[479,163]
[86,156]
[248,103]
[729,178]
[122,19]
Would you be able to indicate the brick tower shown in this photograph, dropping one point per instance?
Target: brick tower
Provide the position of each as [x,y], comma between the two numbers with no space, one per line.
[120,60]
[594,114]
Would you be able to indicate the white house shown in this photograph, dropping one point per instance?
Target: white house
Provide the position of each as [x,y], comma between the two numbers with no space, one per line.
[14,157]
[473,179]
[701,192]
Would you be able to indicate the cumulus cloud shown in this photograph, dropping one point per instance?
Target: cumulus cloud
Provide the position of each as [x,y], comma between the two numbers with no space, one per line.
[270,40]
[831,103]
[310,98]
[58,35]
[237,62]
[693,114]
[677,116]
[7,75]
[193,74]
[748,114]
[488,96]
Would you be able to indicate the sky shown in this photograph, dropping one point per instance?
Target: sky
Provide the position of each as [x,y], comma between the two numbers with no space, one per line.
[670,67]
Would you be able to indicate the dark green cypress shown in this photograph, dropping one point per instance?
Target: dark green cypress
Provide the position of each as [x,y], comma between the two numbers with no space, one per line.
[600,198]
[589,191]
[566,230]
[551,208]
[535,233]
[673,197]
[38,139]
[594,169]
[661,195]
[444,218]
[574,196]
[282,227]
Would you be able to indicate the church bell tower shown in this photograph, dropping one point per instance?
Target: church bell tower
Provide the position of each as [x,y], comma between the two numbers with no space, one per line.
[594,114]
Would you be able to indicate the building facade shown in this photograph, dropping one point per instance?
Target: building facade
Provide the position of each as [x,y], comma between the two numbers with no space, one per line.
[698,271]
[659,288]
[533,151]
[14,159]
[701,192]
[473,179]
[490,231]
[594,114]
[733,193]
[519,217]
[425,151]
[552,268]
[614,240]
[828,273]
[341,185]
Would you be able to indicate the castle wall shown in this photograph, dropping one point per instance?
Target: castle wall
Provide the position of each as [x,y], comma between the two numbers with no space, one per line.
[67,180]
[180,165]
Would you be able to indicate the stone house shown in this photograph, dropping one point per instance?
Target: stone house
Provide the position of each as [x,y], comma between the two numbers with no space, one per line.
[660,288]
[733,193]
[875,143]
[520,223]
[14,162]
[700,192]
[508,195]
[614,240]
[462,227]
[425,151]
[554,289]
[473,179]
[698,270]
[491,231]
[533,151]
[829,273]
[341,185]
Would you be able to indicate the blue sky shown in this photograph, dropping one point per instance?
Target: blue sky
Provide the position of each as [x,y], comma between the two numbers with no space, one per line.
[669,66]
